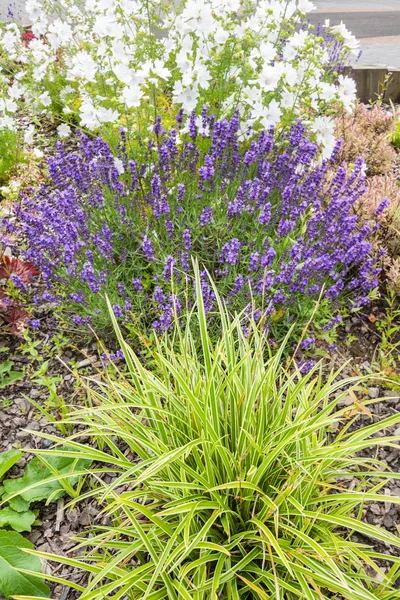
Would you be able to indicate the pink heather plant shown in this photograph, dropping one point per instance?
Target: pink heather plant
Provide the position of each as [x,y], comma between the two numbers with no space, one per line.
[366,133]
[387,236]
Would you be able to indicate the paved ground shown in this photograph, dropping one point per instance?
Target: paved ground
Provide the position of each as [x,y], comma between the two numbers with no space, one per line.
[16,6]
[375,22]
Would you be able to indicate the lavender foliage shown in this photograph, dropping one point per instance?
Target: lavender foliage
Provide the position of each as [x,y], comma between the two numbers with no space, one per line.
[263,218]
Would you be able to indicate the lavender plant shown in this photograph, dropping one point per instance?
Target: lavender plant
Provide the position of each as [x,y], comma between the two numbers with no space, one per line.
[262,218]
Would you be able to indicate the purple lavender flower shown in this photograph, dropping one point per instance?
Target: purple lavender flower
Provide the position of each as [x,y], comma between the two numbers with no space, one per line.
[118,312]
[206,216]
[261,216]
[265,214]
[307,343]
[169,268]
[157,126]
[382,207]
[148,248]
[185,261]
[33,323]
[137,284]
[159,295]
[254,261]
[230,252]
[187,239]
[181,192]
[306,366]
[17,281]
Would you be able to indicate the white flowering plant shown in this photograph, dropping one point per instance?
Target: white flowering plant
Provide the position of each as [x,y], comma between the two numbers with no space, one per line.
[121,62]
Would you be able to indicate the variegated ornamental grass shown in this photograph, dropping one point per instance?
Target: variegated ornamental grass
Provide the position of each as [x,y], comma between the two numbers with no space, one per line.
[231,476]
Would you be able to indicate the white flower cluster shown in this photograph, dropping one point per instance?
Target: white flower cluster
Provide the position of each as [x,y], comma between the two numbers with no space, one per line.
[103,60]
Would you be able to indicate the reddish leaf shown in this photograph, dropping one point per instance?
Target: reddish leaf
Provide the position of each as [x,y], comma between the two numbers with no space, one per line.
[15,314]
[15,320]
[25,270]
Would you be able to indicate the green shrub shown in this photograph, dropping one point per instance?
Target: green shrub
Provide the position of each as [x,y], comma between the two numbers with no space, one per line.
[9,145]
[230,474]
[396,135]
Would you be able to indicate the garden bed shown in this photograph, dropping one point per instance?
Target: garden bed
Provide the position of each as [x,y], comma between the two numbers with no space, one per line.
[199,308]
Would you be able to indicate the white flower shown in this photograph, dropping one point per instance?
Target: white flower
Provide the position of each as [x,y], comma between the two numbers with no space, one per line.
[324,130]
[6,104]
[63,130]
[252,94]
[88,115]
[34,9]
[45,99]
[83,67]
[197,17]
[326,91]
[119,165]
[288,99]
[107,25]
[182,60]
[16,90]
[298,39]
[28,135]
[270,76]
[132,96]
[123,73]
[348,38]
[267,51]
[187,97]
[203,76]
[221,36]
[7,122]
[39,73]
[272,114]
[159,69]
[107,115]
[347,91]
[9,41]
[305,6]
[119,51]
[59,33]
[294,45]
[40,25]
[38,153]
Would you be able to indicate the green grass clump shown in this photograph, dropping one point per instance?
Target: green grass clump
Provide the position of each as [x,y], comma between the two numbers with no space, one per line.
[231,478]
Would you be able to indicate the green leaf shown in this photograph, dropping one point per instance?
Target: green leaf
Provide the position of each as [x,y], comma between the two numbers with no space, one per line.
[11,559]
[18,504]
[37,472]
[19,521]
[11,377]
[8,459]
